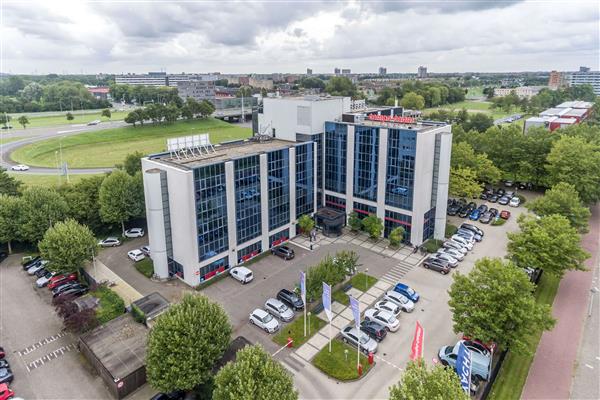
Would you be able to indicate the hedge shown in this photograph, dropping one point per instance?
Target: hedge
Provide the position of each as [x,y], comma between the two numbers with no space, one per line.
[111,305]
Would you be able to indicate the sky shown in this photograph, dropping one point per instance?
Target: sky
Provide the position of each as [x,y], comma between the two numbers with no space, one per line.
[55,36]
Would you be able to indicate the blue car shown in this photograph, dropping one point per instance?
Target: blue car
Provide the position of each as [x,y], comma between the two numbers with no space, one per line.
[475,214]
[407,292]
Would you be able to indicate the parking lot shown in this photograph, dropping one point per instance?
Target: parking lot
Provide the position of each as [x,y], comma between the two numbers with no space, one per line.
[43,358]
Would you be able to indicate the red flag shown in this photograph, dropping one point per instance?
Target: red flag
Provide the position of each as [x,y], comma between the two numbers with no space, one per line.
[416,349]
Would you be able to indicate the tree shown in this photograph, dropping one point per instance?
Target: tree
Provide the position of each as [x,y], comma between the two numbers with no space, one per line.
[550,243]
[106,113]
[185,343]
[120,199]
[413,101]
[9,219]
[306,223]
[131,118]
[84,205]
[396,235]
[133,162]
[5,119]
[8,184]
[32,92]
[354,221]
[70,116]
[67,245]
[478,121]
[495,303]
[576,161]
[421,383]
[23,121]
[254,375]
[463,183]
[206,108]
[340,86]
[75,319]
[373,225]
[463,156]
[40,209]
[564,200]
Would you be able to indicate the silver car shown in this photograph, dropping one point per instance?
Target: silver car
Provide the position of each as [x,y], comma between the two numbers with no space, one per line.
[455,245]
[453,262]
[458,255]
[264,320]
[388,306]
[463,241]
[351,336]
[402,301]
[279,310]
[44,279]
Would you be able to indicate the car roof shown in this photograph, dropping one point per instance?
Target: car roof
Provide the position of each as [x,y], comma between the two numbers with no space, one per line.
[259,312]
[275,302]
[136,251]
[241,269]
[401,285]
[111,238]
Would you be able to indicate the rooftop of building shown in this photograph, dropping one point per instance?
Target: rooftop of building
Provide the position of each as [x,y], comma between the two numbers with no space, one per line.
[575,104]
[308,97]
[226,151]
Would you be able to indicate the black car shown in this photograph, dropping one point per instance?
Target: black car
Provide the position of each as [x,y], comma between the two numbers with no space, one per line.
[500,192]
[3,256]
[2,353]
[483,196]
[177,395]
[472,205]
[453,209]
[493,198]
[73,285]
[74,291]
[473,229]
[482,208]
[374,329]
[6,375]
[486,217]
[283,251]
[41,272]
[464,212]
[32,262]
[290,299]
[437,265]
[494,211]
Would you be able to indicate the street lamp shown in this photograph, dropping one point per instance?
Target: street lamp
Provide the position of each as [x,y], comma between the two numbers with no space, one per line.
[366,277]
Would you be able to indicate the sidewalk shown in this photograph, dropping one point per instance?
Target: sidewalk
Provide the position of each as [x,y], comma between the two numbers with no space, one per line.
[102,272]
[552,369]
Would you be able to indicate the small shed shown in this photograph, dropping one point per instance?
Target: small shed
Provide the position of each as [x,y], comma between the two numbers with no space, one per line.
[331,221]
[117,350]
[152,306]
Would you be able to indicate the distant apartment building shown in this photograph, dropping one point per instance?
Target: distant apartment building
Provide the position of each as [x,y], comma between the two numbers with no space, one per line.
[584,69]
[174,79]
[244,80]
[422,72]
[261,83]
[586,78]
[346,71]
[565,114]
[336,71]
[521,91]
[382,70]
[556,80]
[149,79]
[309,71]
[198,90]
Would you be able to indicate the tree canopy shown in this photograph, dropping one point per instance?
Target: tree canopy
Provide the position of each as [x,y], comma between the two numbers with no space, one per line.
[9,219]
[8,184]
[40,209]
[121,197]
[421,383]
[464,183]
[340,86]
[564,200]
[67,245]
[413,101]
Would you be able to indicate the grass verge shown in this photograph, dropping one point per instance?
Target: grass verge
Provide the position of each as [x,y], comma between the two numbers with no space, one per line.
[145,267]
[432,245]
[111,304]
[335,364]
[450,230]
[48,180]
[362,281]
[341,297]
[498,222]
[511,379]
[295,330]
[57,120]
[105,148]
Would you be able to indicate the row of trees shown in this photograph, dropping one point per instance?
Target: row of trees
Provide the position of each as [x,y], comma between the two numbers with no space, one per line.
[141,94]
[546,98]
[159,113]
[418,94]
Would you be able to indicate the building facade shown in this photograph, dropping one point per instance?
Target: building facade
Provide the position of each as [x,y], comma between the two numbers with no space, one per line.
[586,78]
[556,80]
[422,72]
[382,70]
[149,79]
[198,90]
[521,91]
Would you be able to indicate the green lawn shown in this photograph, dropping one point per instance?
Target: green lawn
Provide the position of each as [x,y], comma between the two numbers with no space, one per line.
[106,148]
[474,92]
[475,106]
[9,139]
[335,364]
[511,379]
[56,120]
[362,281]
[295,330]
[48,180]
[341,297]
[111,304]
[145,267]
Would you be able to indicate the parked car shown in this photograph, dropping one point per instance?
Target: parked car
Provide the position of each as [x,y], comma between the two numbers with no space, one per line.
[504,200]
[388,306]
[62,279]
[515,202]
[486,218]
[494,212]
[374,330]
[44,279]
[176,395]
[63,288]
[464,212]
[480,365]
[482,208]
[474,215]
[453,209]
[455,245]
[500,192]
[462,241]
[264,320]
[493,198]
[41,272]
[279,310]
[29,263]
[510,194]
[4,363]
[145,250]
[404,303]
[385,318]
[473,228]
[37,267]
[452,262]
[476,346]
[134,233]
[136,255]
[474,235]
[508,183]
[3,256]
[2,352]
[407,292]
[505,214]
[437,265]
[242,274]
[5,392]
[352,336]
[6,375]
[74,291]
[291,299]
[284,252]
[452,252]
[483,196]
[20,167]
[110,242]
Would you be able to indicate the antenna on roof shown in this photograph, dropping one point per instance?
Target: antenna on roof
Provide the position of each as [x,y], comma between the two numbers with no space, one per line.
[186,147]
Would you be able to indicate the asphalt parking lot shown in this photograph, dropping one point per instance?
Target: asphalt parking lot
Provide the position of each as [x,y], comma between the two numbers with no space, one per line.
[44,359]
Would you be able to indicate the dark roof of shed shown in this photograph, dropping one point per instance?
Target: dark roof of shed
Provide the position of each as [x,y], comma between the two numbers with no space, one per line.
[152,304]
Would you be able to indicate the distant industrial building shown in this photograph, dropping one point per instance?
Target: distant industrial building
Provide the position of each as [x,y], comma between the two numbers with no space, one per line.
[308,71]
[422,72]
[161,78]
[521,91]
[198,90]
[382,70]
[100,92]
[586,77]
[556,80]
[565,114]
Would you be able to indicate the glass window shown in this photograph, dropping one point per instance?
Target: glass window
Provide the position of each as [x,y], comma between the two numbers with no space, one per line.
[429,224]
[335,157]
[305,200]
[335,202]
[363,210]
[400,168]
[247,198]
[249,251]
[278,166]
[393,220]
[211,210]
[216,267]
[174,268]
[279,237]
[366,159]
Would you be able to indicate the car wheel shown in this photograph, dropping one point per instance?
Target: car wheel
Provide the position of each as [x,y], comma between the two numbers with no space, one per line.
[251,322]
[426,266]
[266,330]
[444,363]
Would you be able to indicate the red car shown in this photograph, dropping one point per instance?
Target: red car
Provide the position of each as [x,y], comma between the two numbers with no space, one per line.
[59,280]
[504,214]
[5,392]
[491,346]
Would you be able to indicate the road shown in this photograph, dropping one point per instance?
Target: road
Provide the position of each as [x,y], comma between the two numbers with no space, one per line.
[33,135]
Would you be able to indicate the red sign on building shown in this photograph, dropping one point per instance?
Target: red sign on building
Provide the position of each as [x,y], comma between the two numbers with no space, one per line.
[392,118]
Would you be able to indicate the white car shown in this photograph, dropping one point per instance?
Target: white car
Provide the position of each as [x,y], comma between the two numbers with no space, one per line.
[278,309]
[136,255]
[109,242]
[145,250]
[388,306]
[242,274]
[403,302]
[385,318]
[134,232]
[94,122]
[462,241]
[264,320]
[453,262]
[20,167]
[44,279]
[455,245]
[458,255]
[514,202]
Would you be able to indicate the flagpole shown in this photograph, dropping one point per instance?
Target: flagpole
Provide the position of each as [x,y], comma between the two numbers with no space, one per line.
[330,335]
[304,319]
[358,342]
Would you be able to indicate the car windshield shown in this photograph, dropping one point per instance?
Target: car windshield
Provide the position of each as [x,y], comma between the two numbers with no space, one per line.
[282,308]
[364,339]
[267,318]
[410,291]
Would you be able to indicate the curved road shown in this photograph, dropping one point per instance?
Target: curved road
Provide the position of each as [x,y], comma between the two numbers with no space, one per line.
[33,135]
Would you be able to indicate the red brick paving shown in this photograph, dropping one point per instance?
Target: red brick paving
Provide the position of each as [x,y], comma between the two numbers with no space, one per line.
[552,368]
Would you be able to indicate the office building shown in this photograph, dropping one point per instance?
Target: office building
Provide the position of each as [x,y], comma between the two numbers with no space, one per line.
[336,71]
[174,79]
[308,71]
[382,70]
[565,114]
[422,72]
[213,207]
[198,90]
[586,78]
[346,71]
[521,91]
[149,79]
[261,83]
[556,80]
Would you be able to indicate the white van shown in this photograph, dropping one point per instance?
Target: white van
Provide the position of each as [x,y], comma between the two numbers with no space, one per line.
[242,274]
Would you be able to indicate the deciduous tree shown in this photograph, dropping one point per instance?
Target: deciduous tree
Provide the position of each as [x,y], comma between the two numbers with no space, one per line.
[133,162]
[340,86]
[70,116]
[463,183]
[306,223]
[564,200]
[106,113]
[354,221]
[421,383]
[9,219]
[82,198]
[413,101]
[373,225]
[8,184]
[23,121]
[67,245]
[396,235]
[40,209]
[120,198]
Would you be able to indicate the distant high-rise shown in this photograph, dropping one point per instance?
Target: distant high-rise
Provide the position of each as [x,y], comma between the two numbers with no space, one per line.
[556,80]
[346,71]
[422,72]
[336,71]
[308,71]
[584,69]
[382,70]
[586,78]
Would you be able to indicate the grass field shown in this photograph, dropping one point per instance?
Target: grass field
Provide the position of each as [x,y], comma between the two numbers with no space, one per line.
[475,106]
[511,379]
[48,180]
[5,140]
[54,120]
[106,148]
[335,364]
[295,330]
[474,92]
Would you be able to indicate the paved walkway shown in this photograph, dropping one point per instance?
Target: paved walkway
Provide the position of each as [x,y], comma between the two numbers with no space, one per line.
[102,272]
[552,369]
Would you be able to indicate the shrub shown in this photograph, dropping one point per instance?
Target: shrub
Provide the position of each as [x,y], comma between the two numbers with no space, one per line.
[137,314]
[354,222]
[432,245]
[522,198]
[373,225]
[498,221]
[111,305]
[450,230]
[145,267]
[331,270]
[396,236]
[306,223]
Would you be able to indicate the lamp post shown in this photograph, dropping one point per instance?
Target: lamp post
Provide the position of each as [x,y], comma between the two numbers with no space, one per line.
[309,323]
[366,278]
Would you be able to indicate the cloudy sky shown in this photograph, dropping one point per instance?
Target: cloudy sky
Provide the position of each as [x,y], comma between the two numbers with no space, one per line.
[279,36]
